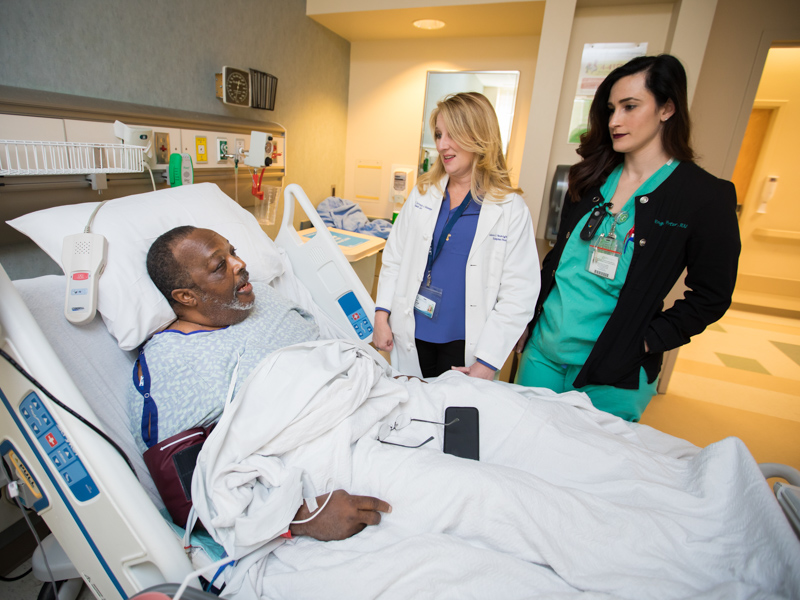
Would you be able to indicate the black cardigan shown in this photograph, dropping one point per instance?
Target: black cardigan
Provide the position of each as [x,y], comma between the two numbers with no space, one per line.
[688,222]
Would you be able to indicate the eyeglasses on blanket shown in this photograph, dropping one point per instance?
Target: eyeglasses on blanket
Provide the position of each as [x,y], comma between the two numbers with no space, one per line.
[404,421]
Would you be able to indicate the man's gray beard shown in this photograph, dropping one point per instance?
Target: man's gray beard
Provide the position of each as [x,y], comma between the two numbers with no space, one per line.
[237,304]
[234,304]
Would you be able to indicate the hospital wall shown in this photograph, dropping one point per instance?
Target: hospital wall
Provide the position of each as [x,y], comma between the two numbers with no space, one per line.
[166,54]
[387,95]
[612,24]
[740,38]
[772,237]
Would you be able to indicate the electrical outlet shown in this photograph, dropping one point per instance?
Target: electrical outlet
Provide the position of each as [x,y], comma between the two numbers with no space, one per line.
[201,148]
[162,148]
[222,149]
[239,148]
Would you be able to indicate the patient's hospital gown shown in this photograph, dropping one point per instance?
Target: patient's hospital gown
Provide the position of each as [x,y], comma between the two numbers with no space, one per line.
[190,373]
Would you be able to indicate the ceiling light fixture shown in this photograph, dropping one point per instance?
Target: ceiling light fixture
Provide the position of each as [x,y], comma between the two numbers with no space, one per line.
[429,24]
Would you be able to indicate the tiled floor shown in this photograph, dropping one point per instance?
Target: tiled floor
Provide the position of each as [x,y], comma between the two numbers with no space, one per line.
[741,377]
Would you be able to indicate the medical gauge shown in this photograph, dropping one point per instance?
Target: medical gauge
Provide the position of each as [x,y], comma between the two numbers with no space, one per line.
[235,86]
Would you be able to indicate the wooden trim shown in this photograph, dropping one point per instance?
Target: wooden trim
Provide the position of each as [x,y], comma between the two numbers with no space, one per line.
[777,234]
[38,103]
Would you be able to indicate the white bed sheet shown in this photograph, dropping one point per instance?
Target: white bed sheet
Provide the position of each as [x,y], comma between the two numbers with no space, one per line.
[567,501]
[412,566]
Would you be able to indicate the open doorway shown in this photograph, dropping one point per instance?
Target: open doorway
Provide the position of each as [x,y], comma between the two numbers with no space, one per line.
[767,180]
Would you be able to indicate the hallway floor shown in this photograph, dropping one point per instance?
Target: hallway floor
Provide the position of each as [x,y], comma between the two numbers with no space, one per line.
[740,377]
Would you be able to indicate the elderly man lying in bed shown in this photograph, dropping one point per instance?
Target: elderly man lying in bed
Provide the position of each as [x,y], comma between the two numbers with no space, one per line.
[221,333]
[565,498]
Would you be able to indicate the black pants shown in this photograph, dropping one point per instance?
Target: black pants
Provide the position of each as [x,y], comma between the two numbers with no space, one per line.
[435,359]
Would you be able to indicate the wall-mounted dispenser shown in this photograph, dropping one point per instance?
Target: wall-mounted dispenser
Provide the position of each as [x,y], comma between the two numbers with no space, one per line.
[400,186]
[137,136]
[558,191]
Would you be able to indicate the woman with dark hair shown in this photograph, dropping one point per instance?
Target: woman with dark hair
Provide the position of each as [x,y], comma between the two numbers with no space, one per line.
[459,276]
[639,211]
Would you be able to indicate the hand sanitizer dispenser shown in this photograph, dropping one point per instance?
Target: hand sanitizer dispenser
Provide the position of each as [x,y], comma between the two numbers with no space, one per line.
[402,182]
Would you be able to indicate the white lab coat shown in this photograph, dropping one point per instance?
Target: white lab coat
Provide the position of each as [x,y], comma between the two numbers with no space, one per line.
[502,277]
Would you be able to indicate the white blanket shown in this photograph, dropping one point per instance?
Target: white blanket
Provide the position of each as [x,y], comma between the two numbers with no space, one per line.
[566,500]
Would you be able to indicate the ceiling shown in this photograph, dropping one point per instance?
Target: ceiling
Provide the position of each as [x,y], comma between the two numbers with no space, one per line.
[473,20]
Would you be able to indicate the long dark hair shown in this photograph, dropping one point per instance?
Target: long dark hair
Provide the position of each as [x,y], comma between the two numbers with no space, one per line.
[665,78]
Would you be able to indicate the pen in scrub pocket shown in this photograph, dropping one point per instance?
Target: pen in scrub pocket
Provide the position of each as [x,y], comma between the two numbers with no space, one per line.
[628,239]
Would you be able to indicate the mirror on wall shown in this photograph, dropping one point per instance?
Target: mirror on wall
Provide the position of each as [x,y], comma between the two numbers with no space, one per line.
[500,87]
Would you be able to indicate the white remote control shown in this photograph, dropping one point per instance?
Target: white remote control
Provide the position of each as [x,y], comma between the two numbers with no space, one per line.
[84,258]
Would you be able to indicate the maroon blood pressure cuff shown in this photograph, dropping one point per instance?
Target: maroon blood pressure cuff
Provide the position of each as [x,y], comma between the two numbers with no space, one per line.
[171,463]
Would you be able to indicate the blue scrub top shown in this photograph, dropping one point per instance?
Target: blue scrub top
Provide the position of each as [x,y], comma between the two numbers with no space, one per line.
[578,307]
[449,275]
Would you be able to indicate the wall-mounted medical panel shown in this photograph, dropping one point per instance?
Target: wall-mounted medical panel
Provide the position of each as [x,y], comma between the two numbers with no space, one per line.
[204,146]
[278,150]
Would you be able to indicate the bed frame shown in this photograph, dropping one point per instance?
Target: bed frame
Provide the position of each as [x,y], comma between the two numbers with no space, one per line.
[102,515]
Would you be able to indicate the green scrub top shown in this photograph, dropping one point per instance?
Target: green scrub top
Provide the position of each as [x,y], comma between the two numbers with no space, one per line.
[580,303]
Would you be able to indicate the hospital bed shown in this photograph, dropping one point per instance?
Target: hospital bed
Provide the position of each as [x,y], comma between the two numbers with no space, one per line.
[100,503]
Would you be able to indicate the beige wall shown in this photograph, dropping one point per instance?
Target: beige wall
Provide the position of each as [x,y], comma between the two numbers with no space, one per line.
[737,47]
[737,50]
[387,89]
[775,257]
[649,24]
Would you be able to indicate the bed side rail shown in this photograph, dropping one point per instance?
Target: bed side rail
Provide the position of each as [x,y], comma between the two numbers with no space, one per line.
[82,488]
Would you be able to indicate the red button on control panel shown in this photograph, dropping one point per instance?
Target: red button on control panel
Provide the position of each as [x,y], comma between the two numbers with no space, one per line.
[51,439]
[80,276]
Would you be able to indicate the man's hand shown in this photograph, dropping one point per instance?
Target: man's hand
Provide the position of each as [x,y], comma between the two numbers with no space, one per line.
[478,370]
[382,334]
[344,516]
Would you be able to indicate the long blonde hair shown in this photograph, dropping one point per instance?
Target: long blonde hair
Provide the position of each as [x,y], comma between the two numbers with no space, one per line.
[472,123]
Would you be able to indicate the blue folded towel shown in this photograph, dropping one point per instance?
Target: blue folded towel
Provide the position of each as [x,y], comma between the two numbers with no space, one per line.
[347,215]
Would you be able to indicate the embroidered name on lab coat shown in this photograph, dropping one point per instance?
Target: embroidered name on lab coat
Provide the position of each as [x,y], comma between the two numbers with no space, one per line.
[498,238]
[671,224]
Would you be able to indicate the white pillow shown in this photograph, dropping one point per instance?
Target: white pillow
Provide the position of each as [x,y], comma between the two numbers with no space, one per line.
[130,304]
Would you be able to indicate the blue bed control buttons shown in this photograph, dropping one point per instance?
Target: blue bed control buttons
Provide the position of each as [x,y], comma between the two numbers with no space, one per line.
[356,315]
[57,448]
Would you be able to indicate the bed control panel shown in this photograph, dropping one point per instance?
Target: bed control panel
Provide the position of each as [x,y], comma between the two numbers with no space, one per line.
[356,315]
[57,449]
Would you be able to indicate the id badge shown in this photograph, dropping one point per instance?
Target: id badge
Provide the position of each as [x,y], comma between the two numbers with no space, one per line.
[603,257]
[428,299]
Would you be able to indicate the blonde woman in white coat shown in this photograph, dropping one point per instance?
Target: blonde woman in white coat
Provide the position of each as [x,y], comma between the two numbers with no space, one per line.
[460,273]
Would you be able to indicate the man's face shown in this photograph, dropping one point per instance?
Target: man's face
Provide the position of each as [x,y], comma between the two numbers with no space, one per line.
[222,291]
